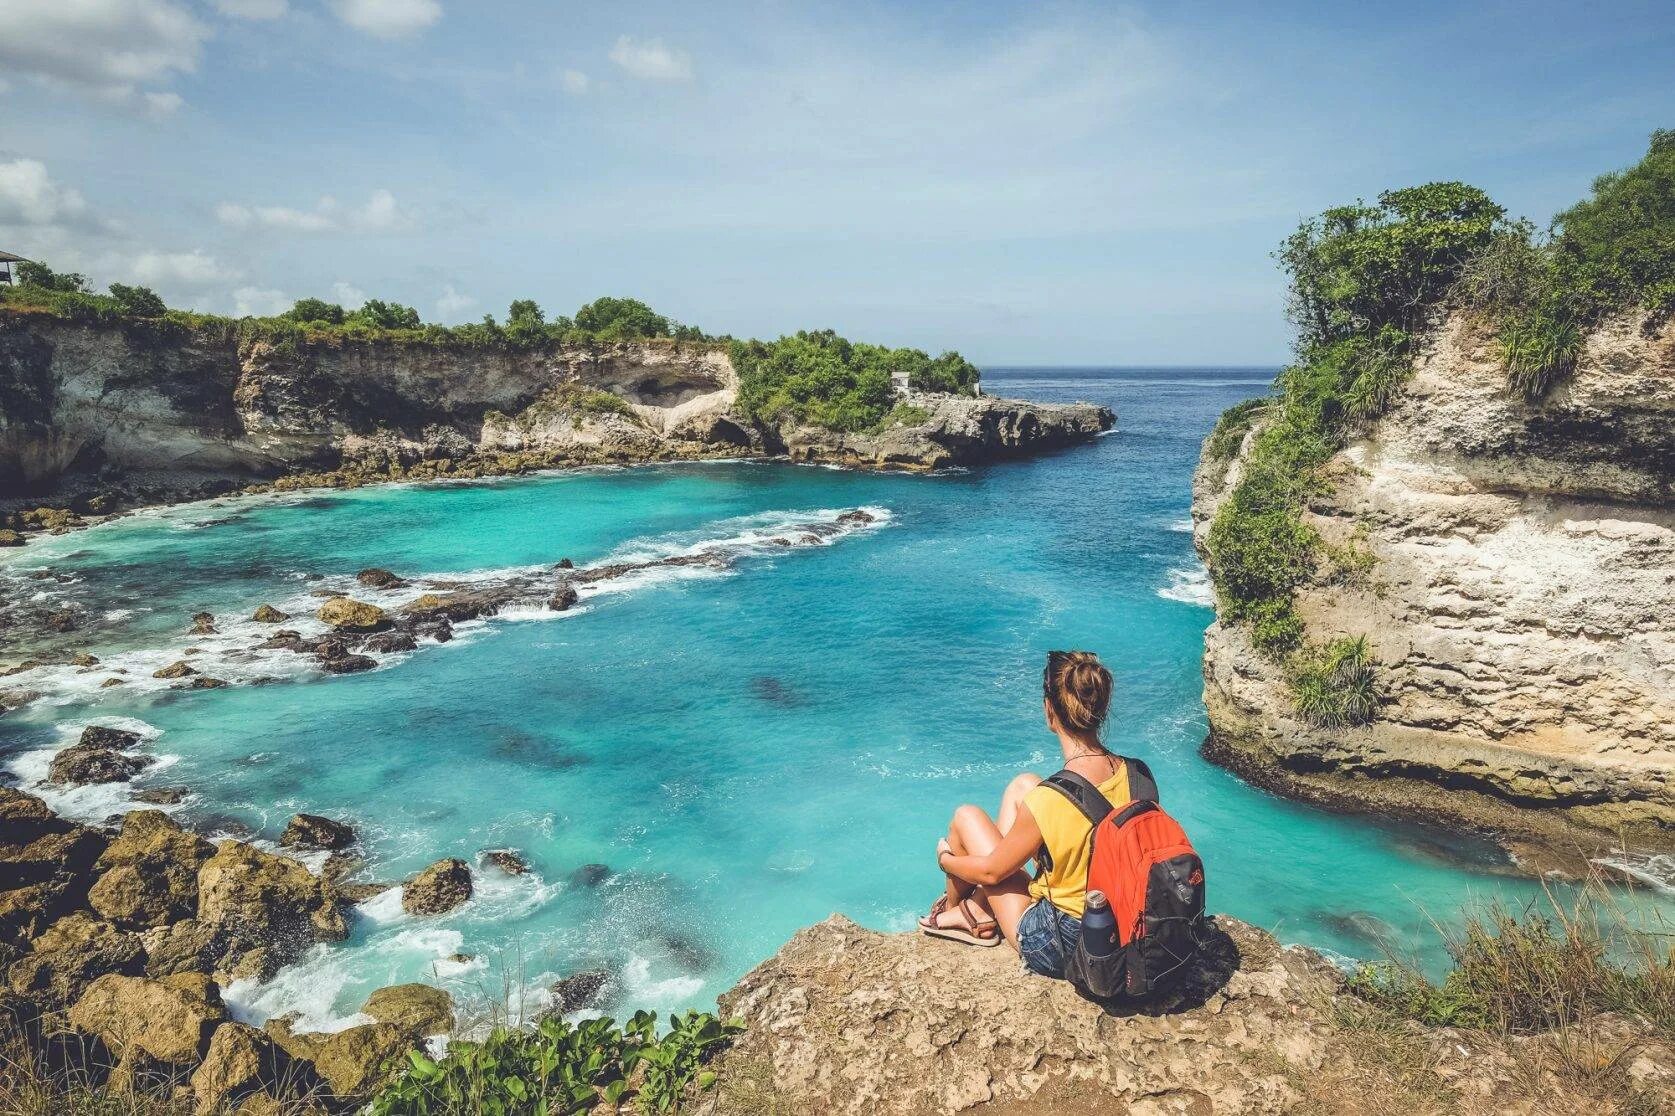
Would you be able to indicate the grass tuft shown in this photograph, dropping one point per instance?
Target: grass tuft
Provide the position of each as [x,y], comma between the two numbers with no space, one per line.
[1332,686]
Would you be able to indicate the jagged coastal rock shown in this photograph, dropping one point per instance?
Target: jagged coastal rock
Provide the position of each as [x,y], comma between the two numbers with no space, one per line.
[1519,602]
[115,946]
[851,1021]
[86,406]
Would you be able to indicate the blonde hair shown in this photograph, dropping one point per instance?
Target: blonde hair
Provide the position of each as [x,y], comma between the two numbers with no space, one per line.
[1078,690]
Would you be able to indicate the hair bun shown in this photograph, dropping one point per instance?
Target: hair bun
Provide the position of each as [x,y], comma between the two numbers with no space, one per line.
[1078,688]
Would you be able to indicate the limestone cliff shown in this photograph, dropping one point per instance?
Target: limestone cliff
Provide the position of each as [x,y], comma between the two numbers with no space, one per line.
[847,1020]
[1519,602]
[88,405]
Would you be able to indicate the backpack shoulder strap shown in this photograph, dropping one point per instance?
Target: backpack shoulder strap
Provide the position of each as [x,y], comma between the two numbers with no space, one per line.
[1141,785]
[1082,794]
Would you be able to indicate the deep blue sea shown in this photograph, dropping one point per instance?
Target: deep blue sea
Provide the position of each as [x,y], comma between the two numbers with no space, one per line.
[747,750]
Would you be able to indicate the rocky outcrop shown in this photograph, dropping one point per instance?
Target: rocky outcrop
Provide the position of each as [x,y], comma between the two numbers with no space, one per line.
[847,1020]
[114,949]
[111,415]
[311,831]
[1513,582]
[954,430]
[438,889]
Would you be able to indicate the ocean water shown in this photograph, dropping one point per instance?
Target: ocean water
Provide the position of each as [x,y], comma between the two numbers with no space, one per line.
[745,750]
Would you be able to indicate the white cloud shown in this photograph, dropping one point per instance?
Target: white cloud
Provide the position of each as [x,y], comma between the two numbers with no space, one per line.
[109,48]
[252,9]
[574,82]
[650,60]
[381,213]
[29,196]
[162,104]
[388,19]
[348,296]
[259,302]
[452,303]
[196,268]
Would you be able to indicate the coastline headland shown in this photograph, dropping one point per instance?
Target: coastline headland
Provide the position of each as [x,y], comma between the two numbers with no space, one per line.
[100,416]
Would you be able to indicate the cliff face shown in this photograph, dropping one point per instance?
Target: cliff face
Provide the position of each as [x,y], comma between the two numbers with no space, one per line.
[1520,602]
[84,401]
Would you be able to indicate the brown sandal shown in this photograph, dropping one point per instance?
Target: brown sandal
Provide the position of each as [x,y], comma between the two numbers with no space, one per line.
[982,932]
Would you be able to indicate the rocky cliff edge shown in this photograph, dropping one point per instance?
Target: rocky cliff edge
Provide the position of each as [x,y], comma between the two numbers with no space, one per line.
[1512,566]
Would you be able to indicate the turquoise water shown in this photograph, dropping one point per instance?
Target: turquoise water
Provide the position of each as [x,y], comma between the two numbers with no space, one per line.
[747,751]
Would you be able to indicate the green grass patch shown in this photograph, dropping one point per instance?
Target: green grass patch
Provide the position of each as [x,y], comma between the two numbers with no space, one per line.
[1332,685]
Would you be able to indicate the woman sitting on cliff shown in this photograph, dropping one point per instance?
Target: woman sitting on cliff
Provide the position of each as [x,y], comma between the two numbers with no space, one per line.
[988,894]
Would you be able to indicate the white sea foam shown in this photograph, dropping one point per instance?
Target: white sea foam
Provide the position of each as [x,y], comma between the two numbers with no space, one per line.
[1189,586]
[1182,525]
[1654,870]
[640,987]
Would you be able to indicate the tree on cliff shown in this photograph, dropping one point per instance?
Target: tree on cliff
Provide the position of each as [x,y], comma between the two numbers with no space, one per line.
[378,314]
[140,302]
[30,274]
[315,311]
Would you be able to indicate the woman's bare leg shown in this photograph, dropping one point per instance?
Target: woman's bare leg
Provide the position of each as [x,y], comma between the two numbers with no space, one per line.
[1014,798]
[1009,802]
[974,833]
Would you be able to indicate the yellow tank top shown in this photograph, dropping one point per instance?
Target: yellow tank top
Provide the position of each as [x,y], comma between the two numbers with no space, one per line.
[1065,833]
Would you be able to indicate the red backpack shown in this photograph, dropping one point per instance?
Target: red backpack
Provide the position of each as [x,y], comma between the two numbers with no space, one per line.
[1154,880]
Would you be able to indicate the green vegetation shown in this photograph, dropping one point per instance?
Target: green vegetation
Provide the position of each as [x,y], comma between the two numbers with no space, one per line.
[144,314]
[821,378]
[560,1067]
[1520,972]
[1367,283]
[1611,251]
[1332,686]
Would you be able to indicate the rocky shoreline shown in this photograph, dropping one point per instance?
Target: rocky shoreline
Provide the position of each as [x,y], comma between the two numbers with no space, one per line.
[117,940]
[1508,563]
[95,419]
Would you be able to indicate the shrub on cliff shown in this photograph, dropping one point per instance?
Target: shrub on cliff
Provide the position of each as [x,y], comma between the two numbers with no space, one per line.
[141,302]
[817,377]
[315,311]
[559,1067]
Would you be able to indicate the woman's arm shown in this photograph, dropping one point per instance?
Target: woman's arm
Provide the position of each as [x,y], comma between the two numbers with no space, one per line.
[1016,846]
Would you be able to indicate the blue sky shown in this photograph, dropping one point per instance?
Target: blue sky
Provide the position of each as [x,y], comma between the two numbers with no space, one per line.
[1028,183]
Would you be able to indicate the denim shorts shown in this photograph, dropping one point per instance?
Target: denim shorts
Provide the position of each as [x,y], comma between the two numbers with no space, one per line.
[1046,937]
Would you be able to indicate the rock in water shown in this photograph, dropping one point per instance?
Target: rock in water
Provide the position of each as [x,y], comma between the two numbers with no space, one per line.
[80,764]
[563,599]
[507,860]
[178,669]
[9,537]
[438,889]
[578,991]
[376,578]
[99,736]
[590,875]
[203,623]
[348,615]
[415,1008]
[386,643]
[348,664]
[311,831]
[267,614]
[267,909]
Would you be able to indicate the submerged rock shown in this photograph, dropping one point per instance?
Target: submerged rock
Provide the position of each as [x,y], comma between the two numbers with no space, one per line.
[438,889]
[311,831]
[590,875]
